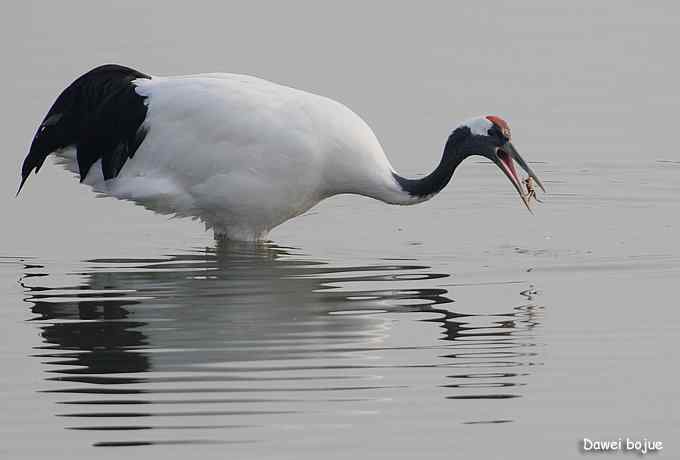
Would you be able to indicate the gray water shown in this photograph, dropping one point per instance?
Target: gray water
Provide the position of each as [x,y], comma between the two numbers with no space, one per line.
[461,328]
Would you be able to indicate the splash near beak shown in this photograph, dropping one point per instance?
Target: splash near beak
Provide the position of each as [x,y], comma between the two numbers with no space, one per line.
[506,155]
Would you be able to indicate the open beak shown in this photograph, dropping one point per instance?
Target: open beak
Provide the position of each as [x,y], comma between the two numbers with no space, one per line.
[506,156]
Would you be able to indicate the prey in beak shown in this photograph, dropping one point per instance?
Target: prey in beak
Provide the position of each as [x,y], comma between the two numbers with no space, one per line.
[505,158]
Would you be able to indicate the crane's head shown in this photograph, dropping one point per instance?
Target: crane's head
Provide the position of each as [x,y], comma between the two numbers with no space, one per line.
[490,137]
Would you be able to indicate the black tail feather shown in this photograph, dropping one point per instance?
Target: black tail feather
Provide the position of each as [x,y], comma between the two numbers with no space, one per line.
[99,114]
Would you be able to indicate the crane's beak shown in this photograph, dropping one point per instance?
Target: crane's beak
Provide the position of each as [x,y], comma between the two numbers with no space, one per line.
[506,155]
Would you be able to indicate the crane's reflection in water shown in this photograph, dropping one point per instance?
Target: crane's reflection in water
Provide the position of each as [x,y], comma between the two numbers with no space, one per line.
[241,343]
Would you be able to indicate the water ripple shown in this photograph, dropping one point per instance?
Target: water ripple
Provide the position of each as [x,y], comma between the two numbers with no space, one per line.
[243,339]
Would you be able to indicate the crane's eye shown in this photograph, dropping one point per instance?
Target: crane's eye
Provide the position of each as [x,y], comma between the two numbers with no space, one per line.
[498,134]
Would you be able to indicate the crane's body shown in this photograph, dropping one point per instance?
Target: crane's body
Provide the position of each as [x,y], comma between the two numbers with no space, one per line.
[246,154]
[240,153]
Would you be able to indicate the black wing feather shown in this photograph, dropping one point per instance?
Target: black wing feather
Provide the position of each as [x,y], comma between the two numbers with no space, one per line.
[100,114]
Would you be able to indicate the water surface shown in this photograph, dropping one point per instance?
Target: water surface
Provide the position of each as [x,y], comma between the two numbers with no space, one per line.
[460,328]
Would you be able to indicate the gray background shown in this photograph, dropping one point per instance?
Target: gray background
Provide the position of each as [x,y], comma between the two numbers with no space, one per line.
[579,82]
[590,90]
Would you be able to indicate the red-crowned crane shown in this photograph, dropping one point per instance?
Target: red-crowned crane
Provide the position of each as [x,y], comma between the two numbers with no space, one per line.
[240,153]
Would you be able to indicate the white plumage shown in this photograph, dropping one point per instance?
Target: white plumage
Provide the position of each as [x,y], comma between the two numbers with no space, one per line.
[244,154]
[240,153]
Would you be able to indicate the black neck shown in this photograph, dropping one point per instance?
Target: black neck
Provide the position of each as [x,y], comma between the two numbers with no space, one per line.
[440,177]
